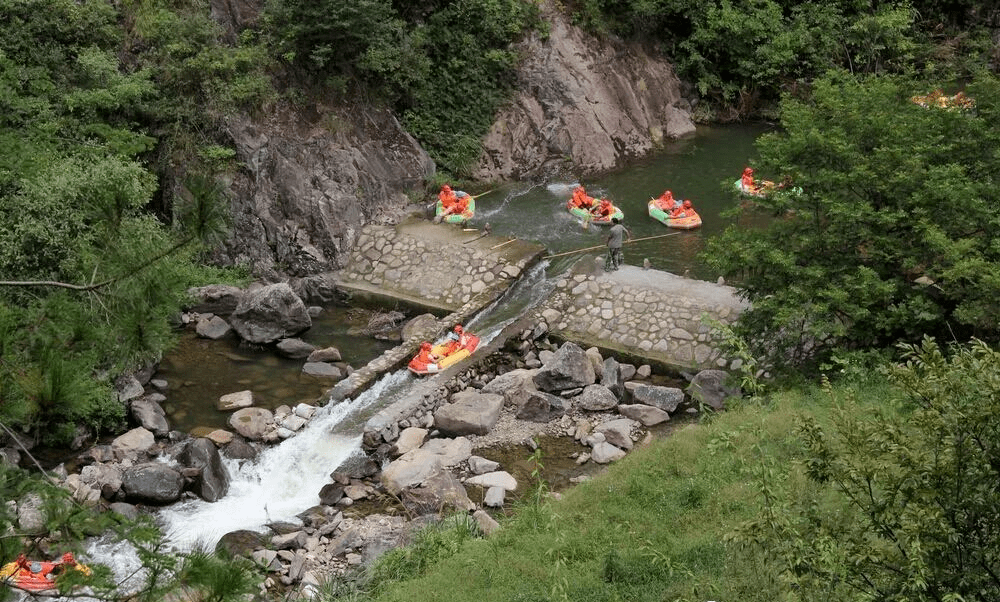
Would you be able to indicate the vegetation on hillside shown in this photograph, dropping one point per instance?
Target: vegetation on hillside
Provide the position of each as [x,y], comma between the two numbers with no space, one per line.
[445,67]
[90,274]
[877,485]
[741,55]
[893,235]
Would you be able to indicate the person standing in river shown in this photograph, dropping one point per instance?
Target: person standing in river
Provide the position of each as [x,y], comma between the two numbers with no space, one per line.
[617,236]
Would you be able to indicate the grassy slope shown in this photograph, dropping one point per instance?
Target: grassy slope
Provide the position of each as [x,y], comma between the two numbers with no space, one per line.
[652,527]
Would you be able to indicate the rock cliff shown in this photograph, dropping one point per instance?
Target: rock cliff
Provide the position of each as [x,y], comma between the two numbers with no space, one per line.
[311,179]
[313,175]
[584,105]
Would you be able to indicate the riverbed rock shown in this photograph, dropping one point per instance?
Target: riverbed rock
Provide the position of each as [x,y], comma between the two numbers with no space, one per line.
[106,478]
[500,478]
[540,406]
[617,432]
[713,388]
[251,423]
[322,370]
[451,451]
[214,299]
[326,354]
[294,348]
[644,414]
[31,515]
[152,482]
[470,413]
[515,386]
[439,491]
[418,326]
[409,469]
[149,415]
[212,482]
[409,439]
[596,398]
[665,398]
[235,401]
[569,368]
[611,377]
[270,313]
[604,453]
[210,326]
[136,441]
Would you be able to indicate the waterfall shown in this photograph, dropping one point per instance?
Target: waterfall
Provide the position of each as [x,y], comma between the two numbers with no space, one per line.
[285,479]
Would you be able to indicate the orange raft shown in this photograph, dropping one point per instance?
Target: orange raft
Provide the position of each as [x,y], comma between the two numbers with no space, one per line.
[39,576]
[690,221]
[447,354]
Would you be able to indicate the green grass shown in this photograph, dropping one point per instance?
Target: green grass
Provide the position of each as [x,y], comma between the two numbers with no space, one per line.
[654,526]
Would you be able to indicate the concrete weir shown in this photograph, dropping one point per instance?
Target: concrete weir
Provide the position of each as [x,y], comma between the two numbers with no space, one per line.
[650,316]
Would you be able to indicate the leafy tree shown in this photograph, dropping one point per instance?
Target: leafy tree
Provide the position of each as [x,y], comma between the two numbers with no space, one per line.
[78,298]
[894,233]
[896,506]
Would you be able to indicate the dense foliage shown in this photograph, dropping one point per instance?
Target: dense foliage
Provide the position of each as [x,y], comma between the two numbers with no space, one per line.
[741,54]
[899,506]
[446,67]
[894,235]
[77,240]
[154,572]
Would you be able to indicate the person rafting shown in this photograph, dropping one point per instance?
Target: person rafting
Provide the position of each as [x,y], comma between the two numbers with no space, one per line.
[447,197]
[459,339]
[746,181]
[685,210]
[604,209]
[426,356]
[581,198]
[459,206]
[666,201]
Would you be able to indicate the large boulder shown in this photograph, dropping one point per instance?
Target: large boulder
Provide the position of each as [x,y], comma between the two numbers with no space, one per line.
[251,423]
[665,398]
[152,483]
[515,386]
[438,491]
[542,407]
[270,313]
[470,413]
[212,482]
[569,368]
[149,415]
[713,388]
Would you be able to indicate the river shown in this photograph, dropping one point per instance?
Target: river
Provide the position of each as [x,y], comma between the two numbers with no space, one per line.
[284,481]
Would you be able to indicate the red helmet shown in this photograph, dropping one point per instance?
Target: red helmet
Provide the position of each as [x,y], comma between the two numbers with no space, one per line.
[68,558]
[687,204]
[668,193]
[748,170]
[425,345]
[458,328]
[446,187]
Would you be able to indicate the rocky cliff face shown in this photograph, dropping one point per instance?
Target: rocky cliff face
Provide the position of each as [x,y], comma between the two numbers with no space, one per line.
[584,106]
[311,179]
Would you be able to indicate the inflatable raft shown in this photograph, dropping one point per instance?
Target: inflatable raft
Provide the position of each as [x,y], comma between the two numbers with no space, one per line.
[689,222]
[39,576]
[759,189]
[447,356]
[457,218]
[586,216]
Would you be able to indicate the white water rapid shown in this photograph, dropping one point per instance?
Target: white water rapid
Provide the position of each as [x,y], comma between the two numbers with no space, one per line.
[284,480]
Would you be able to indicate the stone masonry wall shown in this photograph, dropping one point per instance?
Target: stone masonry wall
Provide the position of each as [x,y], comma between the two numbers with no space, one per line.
[650,314]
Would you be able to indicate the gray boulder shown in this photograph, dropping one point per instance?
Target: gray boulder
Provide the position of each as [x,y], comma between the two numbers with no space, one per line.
[569,368]
[149,415]
[437,492]
[611,377]
[212,482]
[713,388]
[665,398]
[294,348]
[251,423]
[542,407]
[212,327]
[152,482]
[470,413]
[647,415]
[269,314]
[596,398]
